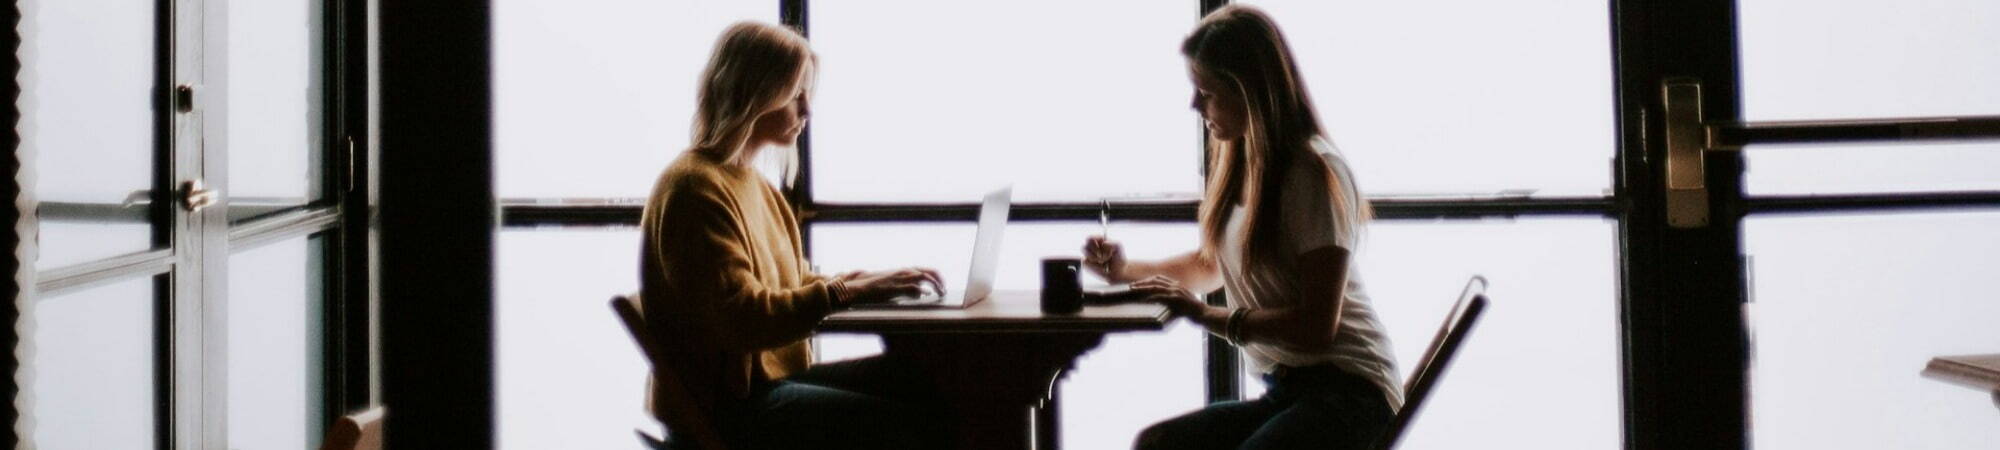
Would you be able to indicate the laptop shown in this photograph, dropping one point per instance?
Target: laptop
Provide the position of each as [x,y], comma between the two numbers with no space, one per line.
[978,284]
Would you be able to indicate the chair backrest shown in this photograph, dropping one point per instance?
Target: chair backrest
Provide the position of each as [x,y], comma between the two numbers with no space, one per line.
[684,420]
[1428,370]
[358,431]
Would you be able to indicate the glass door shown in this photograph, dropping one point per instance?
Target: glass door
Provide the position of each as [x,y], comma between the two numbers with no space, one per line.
[1814,191]
[113,246]
[187,254]
[1871,145]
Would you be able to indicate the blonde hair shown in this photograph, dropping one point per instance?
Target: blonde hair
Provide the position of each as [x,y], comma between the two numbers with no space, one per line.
[754,68]
[1241,46]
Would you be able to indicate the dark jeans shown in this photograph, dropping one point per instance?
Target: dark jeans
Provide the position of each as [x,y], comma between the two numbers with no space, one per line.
[1317,407]
[867,403]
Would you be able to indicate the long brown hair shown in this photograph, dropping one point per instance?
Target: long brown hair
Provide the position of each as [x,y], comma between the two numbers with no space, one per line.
[755,67]
[1242,47]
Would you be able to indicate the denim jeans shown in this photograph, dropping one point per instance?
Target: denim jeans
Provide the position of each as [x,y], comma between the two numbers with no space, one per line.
[1316,407]
[867,403]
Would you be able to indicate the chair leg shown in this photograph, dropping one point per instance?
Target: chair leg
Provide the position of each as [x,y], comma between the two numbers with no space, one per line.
[650,441]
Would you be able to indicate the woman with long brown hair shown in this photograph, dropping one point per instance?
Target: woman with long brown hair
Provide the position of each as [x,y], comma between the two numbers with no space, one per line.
[726,287]
[1280,221]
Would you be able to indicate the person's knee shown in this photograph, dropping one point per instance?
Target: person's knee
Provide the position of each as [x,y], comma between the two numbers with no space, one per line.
[1160,436]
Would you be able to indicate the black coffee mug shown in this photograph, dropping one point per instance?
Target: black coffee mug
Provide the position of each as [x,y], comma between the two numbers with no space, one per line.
[1062,293]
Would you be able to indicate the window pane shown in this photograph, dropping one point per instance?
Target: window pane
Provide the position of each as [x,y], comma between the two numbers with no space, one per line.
[276,341]
[593,97]
[569,374]
[1540,370]
[276,105]
[87,93]
[961,97]
[93,368]
[1461,96]
[1811,59]
[1132,380]
[1846,169]
[1847,311]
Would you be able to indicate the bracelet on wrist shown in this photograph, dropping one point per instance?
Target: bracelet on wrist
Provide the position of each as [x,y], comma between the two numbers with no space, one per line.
[1232,329]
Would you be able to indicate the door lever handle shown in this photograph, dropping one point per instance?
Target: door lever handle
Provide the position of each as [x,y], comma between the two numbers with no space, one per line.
[195,196]
[1687,139]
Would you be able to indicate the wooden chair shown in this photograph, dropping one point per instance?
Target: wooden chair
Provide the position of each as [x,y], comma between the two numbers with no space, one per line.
[687,426]
[358,431]
[1431,368]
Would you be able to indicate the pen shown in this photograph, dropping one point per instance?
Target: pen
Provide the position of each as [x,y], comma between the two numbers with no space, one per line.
[1104,218]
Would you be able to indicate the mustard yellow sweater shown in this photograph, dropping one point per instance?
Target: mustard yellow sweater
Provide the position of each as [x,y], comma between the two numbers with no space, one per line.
[725,285]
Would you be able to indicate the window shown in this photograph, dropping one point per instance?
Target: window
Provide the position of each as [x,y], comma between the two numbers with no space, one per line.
[1460,97]
[94,381]
[277,345]
[1857,304]
[1867,254]
[556,328]
[85,75]
[1804,59]
[592,98]
[276,92]
[910,95]
[190,234]
[1092,105]
[1504,139]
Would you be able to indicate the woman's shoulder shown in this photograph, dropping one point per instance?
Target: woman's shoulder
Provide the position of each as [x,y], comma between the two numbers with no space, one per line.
[689,174]
[692,168]
[1323,148]
[1315,162]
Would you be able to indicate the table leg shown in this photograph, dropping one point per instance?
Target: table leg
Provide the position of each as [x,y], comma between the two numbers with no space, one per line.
[1048,422]
[995,382]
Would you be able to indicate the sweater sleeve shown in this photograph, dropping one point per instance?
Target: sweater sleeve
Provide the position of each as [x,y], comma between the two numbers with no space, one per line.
[703,248]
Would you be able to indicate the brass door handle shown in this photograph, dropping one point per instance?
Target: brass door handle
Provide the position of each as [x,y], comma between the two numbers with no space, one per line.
[1687,140]
[195,196]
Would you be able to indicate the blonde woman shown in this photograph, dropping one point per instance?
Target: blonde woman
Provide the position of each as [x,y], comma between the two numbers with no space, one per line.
[1280,220]
[726,287]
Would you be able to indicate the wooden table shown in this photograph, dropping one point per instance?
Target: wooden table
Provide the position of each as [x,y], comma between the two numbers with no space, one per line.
[997,362]
[1980,372]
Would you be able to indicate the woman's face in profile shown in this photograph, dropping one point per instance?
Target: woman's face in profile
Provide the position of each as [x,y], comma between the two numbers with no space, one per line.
[1221,107]
[781,126]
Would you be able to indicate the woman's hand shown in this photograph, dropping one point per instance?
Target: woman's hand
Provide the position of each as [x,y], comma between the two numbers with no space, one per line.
[872,287]
[1165,291]
[1104,257]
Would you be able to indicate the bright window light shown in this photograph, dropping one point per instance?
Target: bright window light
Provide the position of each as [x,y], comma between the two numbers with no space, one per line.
[1815,59]
[1461,96]
[592,98]
[923,101]
[1857,304]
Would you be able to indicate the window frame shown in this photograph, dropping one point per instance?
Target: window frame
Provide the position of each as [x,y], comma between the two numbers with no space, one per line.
[1682,342]
[189,259]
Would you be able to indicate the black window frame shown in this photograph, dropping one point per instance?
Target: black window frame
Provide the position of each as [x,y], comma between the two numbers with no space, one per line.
[1683,350]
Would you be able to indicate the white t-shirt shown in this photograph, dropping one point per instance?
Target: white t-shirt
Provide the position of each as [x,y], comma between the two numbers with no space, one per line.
[1311,220]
